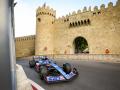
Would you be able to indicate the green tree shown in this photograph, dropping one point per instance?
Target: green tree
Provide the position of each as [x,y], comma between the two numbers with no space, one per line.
[80,44]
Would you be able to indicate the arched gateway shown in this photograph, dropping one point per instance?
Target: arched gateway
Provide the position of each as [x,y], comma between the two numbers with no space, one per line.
[80,45]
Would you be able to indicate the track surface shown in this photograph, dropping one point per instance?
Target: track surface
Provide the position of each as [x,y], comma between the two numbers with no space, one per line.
[92,76]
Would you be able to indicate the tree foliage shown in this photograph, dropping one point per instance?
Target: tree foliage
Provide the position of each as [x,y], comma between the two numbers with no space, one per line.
[80,44]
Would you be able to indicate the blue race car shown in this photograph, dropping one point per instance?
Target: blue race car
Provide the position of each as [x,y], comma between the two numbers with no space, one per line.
[55,73]
[50,72]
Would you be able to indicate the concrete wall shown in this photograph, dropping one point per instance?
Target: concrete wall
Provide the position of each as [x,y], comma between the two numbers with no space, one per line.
[22,80]
[25,46]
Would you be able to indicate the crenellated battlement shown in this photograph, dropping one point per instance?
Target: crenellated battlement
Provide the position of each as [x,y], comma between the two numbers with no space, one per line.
[25,38]
[45,10]
[88,12]
[99,26]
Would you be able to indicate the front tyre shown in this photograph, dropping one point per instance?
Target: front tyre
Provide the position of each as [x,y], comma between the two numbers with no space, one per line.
[67,68]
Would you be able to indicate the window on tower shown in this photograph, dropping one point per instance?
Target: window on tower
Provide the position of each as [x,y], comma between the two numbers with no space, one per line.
[39,19]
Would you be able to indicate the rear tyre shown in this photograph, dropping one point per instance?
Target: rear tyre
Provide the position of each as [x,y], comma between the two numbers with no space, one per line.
[43,72]
[32,63]
[67,68]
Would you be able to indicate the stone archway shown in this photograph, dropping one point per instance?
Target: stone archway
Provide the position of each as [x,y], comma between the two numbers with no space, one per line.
[80,45]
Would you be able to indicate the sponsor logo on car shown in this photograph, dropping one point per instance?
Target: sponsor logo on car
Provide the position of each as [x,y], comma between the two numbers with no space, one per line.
[55,78]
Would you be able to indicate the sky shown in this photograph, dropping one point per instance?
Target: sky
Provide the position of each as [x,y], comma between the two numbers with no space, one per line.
[25,11]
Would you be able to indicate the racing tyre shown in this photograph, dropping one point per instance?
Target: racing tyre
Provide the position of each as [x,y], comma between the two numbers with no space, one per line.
[32,63]
[43,72]
[67,68]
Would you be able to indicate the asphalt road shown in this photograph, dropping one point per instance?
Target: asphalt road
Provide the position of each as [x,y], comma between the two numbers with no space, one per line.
[92,76]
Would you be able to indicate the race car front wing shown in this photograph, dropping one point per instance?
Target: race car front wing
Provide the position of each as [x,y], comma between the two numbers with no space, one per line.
[52,79]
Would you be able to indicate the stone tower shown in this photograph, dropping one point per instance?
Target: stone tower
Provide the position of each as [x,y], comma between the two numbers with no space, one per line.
[45,17]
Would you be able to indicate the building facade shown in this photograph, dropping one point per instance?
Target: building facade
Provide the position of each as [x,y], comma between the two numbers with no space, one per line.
[92,31]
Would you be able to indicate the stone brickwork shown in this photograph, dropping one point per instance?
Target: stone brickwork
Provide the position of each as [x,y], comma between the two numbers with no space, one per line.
[44,30]
[25,46]
[100,28]
[90,57]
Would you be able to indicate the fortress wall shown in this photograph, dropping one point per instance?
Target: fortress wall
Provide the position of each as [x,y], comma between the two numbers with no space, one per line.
[100,27]
[44,30]
[45,10]
[108,36]
[102,33]
[89,57]
[25,46]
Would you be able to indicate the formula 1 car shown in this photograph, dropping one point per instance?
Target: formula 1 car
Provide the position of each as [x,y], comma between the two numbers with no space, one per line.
[50,72]
[55,73]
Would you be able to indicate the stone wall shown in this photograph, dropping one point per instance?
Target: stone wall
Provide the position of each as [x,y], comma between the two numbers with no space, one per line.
[100,27]
[44,30]
[111,58]
[114,58]
[25,46]
[102,33]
